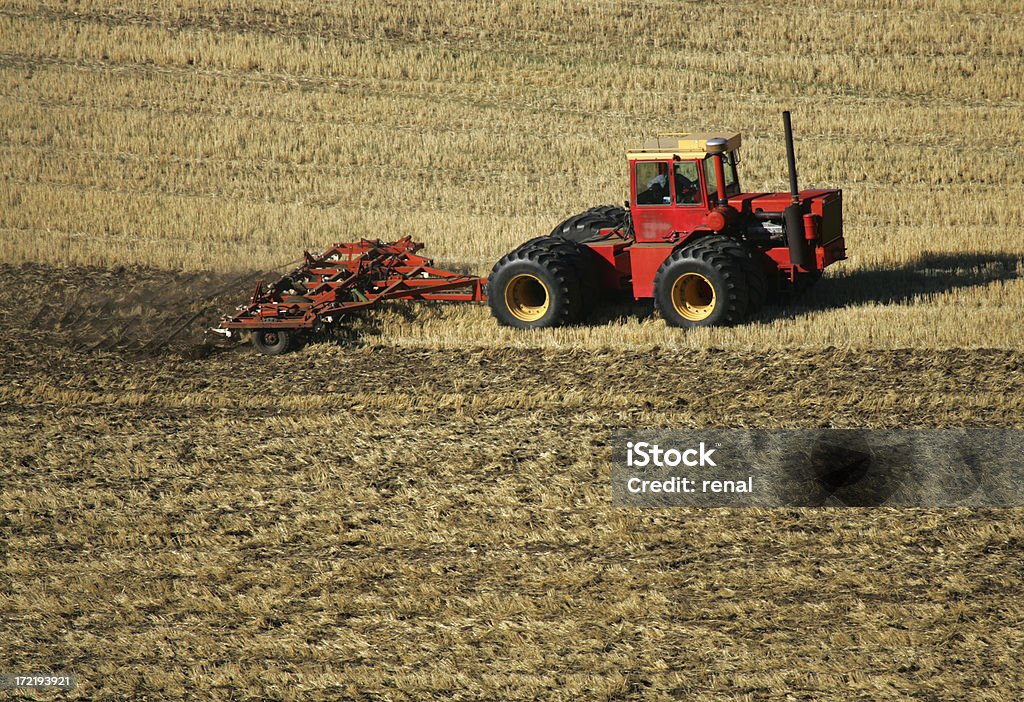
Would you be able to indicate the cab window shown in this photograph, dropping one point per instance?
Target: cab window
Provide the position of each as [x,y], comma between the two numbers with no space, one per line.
[652,183]
[687,183]
[732,187]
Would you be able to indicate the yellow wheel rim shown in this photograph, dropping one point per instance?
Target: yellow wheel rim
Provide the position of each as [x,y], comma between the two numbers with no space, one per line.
[527,297]
[693,296]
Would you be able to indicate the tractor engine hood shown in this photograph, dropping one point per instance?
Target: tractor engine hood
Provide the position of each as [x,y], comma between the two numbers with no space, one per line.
[776,203]
[822,212]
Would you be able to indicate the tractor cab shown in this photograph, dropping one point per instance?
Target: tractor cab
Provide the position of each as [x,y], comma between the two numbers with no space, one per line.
[674,184]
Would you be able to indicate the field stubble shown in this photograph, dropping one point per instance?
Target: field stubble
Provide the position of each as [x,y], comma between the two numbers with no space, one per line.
[218,137]
[367,522]
[419,508]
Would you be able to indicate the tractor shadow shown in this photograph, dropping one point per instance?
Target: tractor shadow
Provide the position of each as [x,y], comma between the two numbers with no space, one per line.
[618,307]
[929,275]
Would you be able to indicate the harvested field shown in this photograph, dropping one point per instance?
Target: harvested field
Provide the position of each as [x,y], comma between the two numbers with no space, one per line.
[419,506]
[212,136]
[366,522]
[238,527]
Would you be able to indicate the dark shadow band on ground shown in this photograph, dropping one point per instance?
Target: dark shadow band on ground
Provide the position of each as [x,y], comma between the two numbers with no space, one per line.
[929,275]
[149,311]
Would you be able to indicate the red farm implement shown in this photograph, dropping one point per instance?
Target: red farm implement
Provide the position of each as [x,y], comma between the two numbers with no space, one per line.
[343,279]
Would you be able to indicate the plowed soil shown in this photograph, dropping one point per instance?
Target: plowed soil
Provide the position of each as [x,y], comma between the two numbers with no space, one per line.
[363,522]
[136,310]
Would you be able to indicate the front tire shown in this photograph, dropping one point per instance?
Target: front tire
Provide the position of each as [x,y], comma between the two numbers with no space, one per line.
[702,285]
[750,262]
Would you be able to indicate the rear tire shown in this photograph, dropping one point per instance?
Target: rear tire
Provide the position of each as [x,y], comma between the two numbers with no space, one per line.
[273,342]
[583,262]
[538,285]
[702,285]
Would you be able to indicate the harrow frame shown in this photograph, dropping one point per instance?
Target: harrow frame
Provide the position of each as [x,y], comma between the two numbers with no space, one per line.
[346,278]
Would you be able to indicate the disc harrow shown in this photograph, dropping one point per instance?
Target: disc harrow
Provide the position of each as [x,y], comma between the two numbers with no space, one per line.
[343,279]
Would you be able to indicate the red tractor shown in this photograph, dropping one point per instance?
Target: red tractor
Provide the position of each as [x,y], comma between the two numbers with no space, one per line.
[707,253]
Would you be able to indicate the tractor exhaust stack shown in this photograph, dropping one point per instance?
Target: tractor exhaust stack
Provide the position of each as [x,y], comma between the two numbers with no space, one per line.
[793,217]
[787,126]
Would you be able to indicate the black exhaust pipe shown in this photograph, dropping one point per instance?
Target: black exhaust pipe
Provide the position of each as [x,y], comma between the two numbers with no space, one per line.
[799,252]
[787,126]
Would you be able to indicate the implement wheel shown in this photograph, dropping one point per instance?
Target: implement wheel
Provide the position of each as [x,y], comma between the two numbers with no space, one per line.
[273,342]
[702,285]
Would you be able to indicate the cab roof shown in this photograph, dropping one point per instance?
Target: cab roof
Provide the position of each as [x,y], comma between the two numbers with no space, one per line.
[683,145]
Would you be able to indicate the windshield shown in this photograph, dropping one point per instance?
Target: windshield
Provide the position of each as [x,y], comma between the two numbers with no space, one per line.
[732,185]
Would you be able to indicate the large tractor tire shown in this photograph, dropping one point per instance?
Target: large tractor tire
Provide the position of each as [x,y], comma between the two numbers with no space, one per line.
[702,285]
[750,261]
[582,260]
[585,226]
[539,284]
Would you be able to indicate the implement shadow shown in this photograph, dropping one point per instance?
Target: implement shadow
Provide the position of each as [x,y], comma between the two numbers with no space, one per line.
[363,328]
